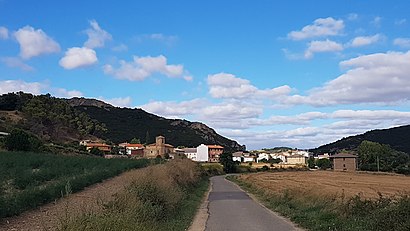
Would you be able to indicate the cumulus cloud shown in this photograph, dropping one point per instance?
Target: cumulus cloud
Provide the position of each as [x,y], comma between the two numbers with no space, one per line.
[402,42]
[77,57]
[143,67]
[4,33]
[377,78]
[175,109]
[320,27]
[17,63]
[64,93]
[35,42]
[322,46]
[376,21]
[224,85]
[7,86]
[365,40]
[96,36]
[35,88]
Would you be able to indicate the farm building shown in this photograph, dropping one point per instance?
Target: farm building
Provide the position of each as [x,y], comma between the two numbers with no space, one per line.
[344,162]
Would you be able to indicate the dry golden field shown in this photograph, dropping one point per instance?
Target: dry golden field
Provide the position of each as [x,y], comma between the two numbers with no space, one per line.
[329,183]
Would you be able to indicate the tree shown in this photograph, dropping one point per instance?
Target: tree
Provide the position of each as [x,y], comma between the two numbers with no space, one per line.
[147,140]
[96,151]
[229,165]
[19,140]
[135,141]
[323,163]
[311,162]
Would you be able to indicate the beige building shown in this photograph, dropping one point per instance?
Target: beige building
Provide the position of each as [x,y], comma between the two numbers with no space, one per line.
[159,148]
[344,162]
[296,159]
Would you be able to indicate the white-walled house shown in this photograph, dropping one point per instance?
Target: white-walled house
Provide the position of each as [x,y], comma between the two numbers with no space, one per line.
[237,156]
[262,156]
[191,153]
[202,153]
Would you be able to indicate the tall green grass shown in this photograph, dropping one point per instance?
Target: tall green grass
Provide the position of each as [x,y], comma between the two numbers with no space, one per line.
[162,197]
[31,179]
[336,212]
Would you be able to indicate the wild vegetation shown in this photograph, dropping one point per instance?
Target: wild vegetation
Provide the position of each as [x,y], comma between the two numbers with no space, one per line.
[397,138]
[161,197]
[177,132]
[31,179]
[334,201]
[51,119]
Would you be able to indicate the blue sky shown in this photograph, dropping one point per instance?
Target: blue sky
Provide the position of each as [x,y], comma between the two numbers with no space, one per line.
[265,73]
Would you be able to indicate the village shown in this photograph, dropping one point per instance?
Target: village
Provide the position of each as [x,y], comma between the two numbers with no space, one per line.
[210,153]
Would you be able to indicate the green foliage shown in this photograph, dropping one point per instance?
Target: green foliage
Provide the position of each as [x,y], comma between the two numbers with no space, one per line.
[373,155]
[135,141]
[177,132]
[51,118]
[229,165]
[311,162]
[323,163]
[31,179]
[19,140]
[212,169]
[397,138]
[96,151]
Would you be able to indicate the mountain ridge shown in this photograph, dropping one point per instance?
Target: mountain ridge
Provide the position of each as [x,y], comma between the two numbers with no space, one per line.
[397,138]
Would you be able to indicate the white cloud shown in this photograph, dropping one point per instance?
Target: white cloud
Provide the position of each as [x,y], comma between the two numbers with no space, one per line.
[16,62]
[7,86]
[365,40]
[64,93]
[377,78]
[35,88]
[35,42]
[224,85]
[119,48]
[400,21]
[376,21]
[174,109]
[320,27]
[143,67]
[322,46]
[4,33]
[96,36]
[77,57]
[402,42]
[352,16]
[118,102]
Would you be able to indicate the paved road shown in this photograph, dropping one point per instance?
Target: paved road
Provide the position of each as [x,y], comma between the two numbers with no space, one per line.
[230,208]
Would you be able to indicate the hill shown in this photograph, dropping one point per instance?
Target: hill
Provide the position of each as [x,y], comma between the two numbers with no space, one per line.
[56,120]
[397,138]
[124,124]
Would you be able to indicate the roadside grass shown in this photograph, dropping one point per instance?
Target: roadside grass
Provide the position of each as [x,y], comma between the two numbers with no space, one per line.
[28,180]
[335,212]
[162,197]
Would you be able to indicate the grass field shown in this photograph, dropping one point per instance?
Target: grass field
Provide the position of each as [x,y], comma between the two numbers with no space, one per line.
[31,179]
[326,200]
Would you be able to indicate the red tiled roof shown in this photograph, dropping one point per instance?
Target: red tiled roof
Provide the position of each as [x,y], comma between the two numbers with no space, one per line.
[215,146]
[97,145]
[134,145]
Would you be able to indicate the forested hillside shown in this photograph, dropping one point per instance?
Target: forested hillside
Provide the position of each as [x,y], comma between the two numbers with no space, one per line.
[397,138]
[124,124]
[51,119]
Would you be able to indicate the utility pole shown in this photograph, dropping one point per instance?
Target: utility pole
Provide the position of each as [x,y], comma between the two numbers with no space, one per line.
[378,164]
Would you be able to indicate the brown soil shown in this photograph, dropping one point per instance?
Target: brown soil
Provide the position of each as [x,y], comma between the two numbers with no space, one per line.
[49,217]
[329,183]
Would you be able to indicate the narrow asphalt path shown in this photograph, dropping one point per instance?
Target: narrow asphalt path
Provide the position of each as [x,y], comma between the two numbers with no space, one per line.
[230,208]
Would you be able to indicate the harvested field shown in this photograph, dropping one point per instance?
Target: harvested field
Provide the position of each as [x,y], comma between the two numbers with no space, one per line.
[329,183]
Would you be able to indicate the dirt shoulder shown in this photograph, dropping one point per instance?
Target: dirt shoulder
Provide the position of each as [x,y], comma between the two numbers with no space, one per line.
[49,216]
